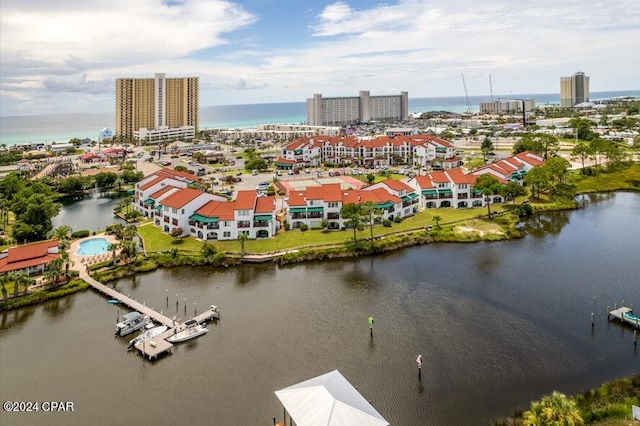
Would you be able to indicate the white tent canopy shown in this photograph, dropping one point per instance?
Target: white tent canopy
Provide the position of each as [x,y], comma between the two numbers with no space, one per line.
[328,400]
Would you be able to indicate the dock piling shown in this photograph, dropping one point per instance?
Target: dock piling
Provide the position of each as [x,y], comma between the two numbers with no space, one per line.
[635,337]
[592,323]
[195,309]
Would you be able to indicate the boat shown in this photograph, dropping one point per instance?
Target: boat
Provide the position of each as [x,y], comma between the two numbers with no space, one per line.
[630,318]
[147,335]
[131,322]
[192,330]
[114,301]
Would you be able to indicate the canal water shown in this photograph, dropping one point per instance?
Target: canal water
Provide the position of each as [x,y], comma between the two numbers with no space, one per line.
[497,325]
[91,212]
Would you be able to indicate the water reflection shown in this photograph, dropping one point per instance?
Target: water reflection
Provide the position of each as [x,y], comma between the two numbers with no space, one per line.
[544,223]
[15,318]
[56,308]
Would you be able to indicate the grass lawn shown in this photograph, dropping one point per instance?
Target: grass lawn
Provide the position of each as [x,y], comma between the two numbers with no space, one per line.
[156,241]
[622,179]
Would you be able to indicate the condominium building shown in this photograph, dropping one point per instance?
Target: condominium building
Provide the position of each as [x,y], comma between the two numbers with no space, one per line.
[508,107]
[157,108]
[364,108]
[574,89]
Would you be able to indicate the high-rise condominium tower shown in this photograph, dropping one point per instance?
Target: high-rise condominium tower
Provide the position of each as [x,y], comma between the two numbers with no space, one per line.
[574,90]
[157,108]
[356,109]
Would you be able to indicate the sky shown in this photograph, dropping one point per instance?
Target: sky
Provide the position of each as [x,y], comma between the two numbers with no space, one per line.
[64,55]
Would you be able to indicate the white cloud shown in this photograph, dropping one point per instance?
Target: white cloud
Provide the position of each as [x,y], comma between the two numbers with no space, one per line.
[415,45]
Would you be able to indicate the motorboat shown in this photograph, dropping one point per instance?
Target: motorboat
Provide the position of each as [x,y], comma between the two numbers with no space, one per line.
[631,319]
[147,335]
[131,322]
[192,330]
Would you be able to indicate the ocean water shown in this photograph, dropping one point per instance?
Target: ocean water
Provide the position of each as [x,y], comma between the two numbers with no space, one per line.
[63,127]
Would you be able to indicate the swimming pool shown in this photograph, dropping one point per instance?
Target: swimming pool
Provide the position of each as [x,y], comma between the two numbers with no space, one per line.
[93,247]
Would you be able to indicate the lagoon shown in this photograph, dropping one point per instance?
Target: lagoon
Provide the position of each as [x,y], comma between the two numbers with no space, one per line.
[91,211]
[497,324]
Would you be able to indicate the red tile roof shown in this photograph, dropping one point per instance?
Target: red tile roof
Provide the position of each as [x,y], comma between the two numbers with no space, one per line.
[21,257]
[245,200]
[398,185]
[424,182]
[181,198]
[459,177]
[223,210]
[162,191]
[529,158]
[266,205]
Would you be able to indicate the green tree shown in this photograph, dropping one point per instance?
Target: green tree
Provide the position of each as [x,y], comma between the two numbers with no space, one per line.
[369,212]
[352,213]
[3,281]
[582,126]
[128,250]
[538,143]
[54,271]
[243,239]
[486,147]
[581,151]
[436,220]
[554,410]
[557,168]
[511,191]
[62,232]
[207,250]
[538,180]
[487,185]
[176,232]
[371,178]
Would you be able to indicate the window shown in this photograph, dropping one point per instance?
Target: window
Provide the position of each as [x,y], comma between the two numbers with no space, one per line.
[226,234]
[182,211]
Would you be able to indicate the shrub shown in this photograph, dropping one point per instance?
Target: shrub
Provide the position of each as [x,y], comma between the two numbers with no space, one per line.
[304,227]
[287,226]
[524,210]
[386,222]
[397,219]
[81,234]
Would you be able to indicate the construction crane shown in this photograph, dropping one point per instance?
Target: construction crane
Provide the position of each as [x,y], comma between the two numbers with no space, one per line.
[491,87]
[466,95]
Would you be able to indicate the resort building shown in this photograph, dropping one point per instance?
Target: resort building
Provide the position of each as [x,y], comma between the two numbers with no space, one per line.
[341,111]
[311,206]
[574,89]
[157,108]
[166,196]
[512,169]
[31,259]
[410,198]
[417,150]
[507,107]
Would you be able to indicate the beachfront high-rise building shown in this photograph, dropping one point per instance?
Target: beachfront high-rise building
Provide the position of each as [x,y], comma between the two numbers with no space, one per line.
[341,111]
[574,89]
[157,108]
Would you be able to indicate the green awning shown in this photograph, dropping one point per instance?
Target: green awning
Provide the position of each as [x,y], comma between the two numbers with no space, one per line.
[429,192]
[149,201]
[386,205]
[262,217]
[445,191]
[406,198]
[297,210]
[315,209]
[159,207]
[476,191]
[204,219]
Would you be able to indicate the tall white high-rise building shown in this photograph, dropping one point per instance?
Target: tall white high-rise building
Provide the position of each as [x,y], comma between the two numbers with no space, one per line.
[340,111]
[574,89]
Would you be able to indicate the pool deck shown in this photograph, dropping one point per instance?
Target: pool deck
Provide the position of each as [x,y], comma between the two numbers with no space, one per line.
[80,261]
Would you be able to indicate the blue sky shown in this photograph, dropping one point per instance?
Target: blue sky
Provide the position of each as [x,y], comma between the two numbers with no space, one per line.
[64,55]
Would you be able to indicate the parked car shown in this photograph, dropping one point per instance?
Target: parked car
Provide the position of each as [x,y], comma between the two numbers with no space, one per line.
[290,172]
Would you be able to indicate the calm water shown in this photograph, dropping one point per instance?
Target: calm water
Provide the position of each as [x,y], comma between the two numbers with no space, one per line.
[63,127]
[92,212]
[497,325]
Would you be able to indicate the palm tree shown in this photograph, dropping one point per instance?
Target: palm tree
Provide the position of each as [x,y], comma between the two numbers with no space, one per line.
[112,248]
[66,261]
[242,238]
[129,232]
[129,250]
[54,270]
[19,278]
[62,232]
[554,409]
[3,281]
[436,219]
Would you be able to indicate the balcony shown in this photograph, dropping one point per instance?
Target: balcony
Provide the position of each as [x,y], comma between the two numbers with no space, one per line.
[244,224]
[463,196]
[313,215]
[298,216]
[260,224]
[333,216]
[444,196]
[166,220]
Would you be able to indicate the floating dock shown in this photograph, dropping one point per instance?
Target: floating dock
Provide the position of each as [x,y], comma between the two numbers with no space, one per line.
[158,345]
[629,318]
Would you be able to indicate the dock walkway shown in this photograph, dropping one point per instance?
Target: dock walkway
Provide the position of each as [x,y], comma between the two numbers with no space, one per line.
[158,345]
[619,315]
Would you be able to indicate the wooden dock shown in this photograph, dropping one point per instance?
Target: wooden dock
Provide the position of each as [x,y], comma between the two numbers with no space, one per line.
[618,315]
[158,345]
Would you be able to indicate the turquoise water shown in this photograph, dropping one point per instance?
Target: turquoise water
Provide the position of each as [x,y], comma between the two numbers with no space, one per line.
[63,127]
[93,247]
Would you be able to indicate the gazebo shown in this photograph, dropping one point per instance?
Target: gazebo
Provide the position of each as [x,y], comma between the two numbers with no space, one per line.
[328,400]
